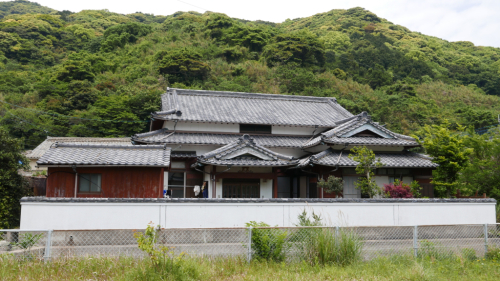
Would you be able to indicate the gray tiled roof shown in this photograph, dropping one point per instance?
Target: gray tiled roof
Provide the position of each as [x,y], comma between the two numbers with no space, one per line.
[106,155]
[46,144]
[337,134]
[245,152]
[183,154]
[287,201]
[332,157]
[164,136]
[250,108]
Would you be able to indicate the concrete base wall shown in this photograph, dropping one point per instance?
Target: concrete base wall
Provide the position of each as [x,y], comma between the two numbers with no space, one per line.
[72,214]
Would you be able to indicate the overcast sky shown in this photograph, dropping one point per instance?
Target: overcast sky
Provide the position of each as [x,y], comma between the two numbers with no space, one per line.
[477,21]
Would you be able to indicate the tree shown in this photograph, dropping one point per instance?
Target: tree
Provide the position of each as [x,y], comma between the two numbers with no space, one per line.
[301,47]
[332,184]
[449,152]
[367,163]
[182,66]
[483,172]
[12,185]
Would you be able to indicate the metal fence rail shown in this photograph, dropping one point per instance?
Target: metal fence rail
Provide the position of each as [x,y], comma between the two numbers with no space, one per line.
[444,240]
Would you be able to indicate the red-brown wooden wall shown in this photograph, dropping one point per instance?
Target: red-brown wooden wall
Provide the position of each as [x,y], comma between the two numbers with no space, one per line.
[116,182]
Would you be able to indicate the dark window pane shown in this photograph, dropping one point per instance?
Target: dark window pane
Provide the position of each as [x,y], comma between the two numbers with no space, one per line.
[95,182]
[255,129]
[89,183]
[176,179]
[177,193]
[84,182]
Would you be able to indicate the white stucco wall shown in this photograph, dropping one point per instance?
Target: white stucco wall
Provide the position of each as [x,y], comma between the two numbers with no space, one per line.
[202,127]
[235,128]
[374,148]
[76,215]
[266,188]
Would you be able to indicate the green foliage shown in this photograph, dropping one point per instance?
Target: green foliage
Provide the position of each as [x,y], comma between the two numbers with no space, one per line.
[182,66]
[332,184]
[121,34]
[429,250]
[25,242]
[482,174]
[326,245]
[267,243]
[69,63]
[493,253]
[415,189]
[449,152]
[163,260]
[304,219]
[303,48]
[12,185]
[367,164]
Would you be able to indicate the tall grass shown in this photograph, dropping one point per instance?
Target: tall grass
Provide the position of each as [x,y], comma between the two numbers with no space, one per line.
[237,268]
[330,246]
[326,245]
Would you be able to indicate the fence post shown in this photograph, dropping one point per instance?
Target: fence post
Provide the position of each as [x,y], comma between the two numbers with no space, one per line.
[415,240]
[485,238]
[48,246]
[249,244]
[337,231]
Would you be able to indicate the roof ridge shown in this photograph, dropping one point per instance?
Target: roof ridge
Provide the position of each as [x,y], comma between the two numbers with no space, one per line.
[147,134]
[57,145]
[255,95]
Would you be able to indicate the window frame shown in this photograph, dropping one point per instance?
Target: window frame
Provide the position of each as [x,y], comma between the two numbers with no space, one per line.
[176,186]
[80,176]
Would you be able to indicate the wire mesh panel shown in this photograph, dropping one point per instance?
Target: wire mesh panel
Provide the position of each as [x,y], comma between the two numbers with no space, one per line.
[313,243]
[206,241]
[23,244]
[384,241]
[493,231]
[73,243]
[447,240]
[219,242]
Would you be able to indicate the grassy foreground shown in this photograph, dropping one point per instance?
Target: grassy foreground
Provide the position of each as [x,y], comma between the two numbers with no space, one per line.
[392,268]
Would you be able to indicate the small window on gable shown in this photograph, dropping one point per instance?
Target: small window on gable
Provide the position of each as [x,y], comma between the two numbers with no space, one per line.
[89,183]
[255,129]
[367,133]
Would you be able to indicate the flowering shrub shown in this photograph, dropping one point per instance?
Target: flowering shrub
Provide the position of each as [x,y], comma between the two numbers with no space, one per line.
[398,190]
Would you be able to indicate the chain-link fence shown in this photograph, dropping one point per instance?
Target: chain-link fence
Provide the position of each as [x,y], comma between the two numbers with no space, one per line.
[281,243]
[25,244]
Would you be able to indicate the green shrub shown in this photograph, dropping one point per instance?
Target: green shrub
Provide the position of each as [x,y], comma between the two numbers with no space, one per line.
[164,263]
[469,254]
[493,253]
[268,243]
[329,246]
[326,245]
[427,250]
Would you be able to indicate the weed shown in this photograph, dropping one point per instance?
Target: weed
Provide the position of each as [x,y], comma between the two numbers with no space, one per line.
[268,243]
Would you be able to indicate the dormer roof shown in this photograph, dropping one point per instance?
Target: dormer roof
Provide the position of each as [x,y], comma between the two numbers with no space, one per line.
[245,152]
[361,130]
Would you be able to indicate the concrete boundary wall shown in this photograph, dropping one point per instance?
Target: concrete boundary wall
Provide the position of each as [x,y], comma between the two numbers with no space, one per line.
[103,213]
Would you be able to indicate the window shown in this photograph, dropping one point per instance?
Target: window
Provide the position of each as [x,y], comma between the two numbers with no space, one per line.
[255,129]
[241,188]
[89,183]
[176,184]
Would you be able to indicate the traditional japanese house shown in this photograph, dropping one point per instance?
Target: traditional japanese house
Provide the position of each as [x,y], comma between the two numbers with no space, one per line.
[245,145]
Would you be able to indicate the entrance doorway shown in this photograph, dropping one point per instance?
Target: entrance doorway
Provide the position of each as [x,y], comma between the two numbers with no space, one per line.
[241,188]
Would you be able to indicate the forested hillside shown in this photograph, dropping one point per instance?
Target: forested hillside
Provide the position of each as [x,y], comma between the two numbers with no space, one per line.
[98,73]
